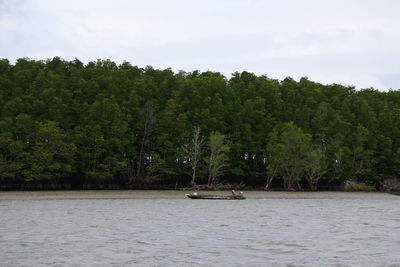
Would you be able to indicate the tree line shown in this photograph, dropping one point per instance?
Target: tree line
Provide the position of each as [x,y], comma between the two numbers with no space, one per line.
[66,122]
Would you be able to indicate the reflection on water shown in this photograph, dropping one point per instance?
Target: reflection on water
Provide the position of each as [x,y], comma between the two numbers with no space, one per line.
[164,228]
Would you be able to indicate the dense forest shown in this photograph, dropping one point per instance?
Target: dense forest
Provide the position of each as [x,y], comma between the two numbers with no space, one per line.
[67,124]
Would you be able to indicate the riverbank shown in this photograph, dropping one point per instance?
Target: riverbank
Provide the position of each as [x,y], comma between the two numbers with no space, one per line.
[116,187]
[147,186]
[98,185]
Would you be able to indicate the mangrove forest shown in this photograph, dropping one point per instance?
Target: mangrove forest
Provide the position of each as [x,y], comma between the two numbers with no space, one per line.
[67,124]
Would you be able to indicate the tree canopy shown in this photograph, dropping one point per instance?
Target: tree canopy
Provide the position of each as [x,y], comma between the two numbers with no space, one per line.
[70,122]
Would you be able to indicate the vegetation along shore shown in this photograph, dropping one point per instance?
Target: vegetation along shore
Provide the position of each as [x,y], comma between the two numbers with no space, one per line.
[66,124]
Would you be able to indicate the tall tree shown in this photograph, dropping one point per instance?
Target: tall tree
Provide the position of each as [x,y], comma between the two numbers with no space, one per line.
[51,155]
[193,151]
[148,120]
[315,166]
[101,138]
[218,158]
[289,146]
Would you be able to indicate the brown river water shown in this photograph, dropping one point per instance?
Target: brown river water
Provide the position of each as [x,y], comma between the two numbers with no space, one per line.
[164,228]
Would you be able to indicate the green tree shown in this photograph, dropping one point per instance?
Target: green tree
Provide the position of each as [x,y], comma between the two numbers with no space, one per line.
[51,154]
[101,138]
[218,158]
[194,151]
[148,119]
[16,138]
[315,166]
[289,147]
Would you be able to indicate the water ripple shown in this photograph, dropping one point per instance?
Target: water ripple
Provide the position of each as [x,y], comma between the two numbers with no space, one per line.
[150,228]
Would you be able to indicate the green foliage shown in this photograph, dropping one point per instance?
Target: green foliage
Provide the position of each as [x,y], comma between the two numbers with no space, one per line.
[121,123]
[34,151]
[315,166]
[288,151]
[101,139]
[193,152]
[217,158]
[51,154]
[357,186]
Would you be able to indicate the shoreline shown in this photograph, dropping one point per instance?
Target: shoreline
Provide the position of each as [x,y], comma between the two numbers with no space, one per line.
[184,190]
[171,187]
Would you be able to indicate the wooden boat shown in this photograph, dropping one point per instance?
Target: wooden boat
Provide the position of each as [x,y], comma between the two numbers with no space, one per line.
[209,196]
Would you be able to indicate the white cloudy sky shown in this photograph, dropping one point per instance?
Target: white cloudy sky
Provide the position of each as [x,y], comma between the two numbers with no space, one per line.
[352,42]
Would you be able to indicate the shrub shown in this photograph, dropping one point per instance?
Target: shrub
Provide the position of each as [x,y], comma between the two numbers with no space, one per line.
[352,186]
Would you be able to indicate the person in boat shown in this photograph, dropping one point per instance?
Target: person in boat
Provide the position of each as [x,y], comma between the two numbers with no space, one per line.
[235,195]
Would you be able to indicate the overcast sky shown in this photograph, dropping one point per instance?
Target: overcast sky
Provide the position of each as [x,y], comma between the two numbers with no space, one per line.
[352,42]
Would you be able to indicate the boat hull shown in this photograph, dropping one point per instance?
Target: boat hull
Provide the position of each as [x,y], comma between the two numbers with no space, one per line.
[215,197]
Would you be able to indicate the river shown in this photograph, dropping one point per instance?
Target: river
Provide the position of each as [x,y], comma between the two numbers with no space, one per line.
[164,228]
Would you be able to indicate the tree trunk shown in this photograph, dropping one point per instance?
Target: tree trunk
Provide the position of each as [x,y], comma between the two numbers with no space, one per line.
[311,185]
[149,120]
[193,181]
[269,181]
